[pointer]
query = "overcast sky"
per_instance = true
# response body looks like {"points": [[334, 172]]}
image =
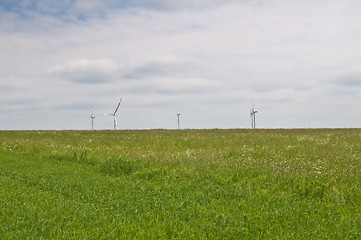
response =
{"points": [[299, 60]]}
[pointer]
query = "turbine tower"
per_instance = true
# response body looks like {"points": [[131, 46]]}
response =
{"points": [[115, 116], [178, 114], [92, 119], [253, 117]]}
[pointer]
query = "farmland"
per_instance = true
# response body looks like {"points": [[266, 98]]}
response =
{"points": [[181, 184]]}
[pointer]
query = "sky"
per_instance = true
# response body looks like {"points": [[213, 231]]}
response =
{"points": [[297, 61]]}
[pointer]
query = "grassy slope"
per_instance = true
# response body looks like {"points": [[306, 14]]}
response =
{"points": [[268, 184]]}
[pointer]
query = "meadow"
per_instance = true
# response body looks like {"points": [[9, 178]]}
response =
{"points": [[181, 184]]}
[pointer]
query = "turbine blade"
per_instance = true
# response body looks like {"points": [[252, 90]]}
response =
{"points": [[117, 106]]}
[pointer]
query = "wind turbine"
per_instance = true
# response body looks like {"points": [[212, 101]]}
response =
{"points": [[115, 115], [253, 117], [92, 119], [178, 114]]}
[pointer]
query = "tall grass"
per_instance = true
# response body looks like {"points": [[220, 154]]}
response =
{"points": [[188, 184]]}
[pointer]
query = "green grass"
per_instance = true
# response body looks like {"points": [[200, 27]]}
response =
{"points": [[187, 184]]}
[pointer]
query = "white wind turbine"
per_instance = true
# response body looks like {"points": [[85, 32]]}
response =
{"points": [[253, 117], [115, 116], [178, 114], [92, 119]]}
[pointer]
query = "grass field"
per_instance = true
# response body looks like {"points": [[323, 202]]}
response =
{"points": [[186, 184]]}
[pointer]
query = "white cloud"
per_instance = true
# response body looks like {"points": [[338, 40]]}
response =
{"points": [[349, 80], [174, 86], [85, 70]]}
